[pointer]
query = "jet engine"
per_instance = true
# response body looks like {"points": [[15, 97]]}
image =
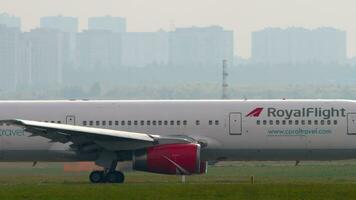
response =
{"points": [[179, 159]]}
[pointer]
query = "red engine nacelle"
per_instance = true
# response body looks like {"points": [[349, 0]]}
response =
{"points": [[170, 159]]}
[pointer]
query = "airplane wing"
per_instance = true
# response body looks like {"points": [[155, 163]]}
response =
{"points": [[90, 139]]}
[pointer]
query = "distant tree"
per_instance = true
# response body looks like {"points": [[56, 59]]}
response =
{"points": [[95, 90], [72, 92]]}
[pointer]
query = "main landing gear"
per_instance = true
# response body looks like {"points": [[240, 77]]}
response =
{"points": [[109, 177], [107, 160]]}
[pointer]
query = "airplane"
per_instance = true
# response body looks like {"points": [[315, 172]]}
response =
{"points": [[175, 137]]}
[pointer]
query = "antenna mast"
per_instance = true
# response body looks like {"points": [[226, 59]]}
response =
{"points": [[224, 80]]}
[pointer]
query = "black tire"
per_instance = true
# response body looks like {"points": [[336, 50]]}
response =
{"points": [[97, 177], [115, 177]]}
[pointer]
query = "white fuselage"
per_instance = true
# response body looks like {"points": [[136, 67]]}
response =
{"points": [[232, 129]]}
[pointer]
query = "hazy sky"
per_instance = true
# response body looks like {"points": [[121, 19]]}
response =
{"points": [[242, 16]]}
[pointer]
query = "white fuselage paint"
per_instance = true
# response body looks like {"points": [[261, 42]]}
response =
{"points": [[287, 129]]}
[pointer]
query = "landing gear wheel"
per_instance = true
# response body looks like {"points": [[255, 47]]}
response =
{"points": [[115, 177], [96, 177]]}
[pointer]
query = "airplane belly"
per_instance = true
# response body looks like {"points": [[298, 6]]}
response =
{"points": [[17, 139], [40, 155]]}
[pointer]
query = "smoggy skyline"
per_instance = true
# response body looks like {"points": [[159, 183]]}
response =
{"points": [[241, 16]]}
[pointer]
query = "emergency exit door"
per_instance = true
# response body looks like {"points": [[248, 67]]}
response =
{"points": [[70, 119], [351, 123], [235, 124]]}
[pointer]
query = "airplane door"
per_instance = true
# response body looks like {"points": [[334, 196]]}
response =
{"points": [[351, 123], [235, 124], [70, 119]]}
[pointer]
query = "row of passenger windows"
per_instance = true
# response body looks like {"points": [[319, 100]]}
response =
{"points": [[146, 123], [58, 122], [296, 122], [140, 122]]}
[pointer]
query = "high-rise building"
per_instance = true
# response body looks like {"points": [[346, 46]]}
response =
{"points": [[352, 60], [9, 41], [99, 49], [67, 25], [23, 73], [298, 45], [62, 23], [140, 49], [201, 47], [109, 23], [46, 57], [10, 21], [330, 45]]}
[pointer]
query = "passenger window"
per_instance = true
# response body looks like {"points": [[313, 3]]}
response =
{"points": [[122, 123], [142, 123], [148, 122], [322, 122], [90, 123], [258, 122], [315, 122], [135, 122], [296, 122], [159, 123], [104, 123], [97, 123], [277, 122], [52, 122], [185, 122], [210, 122], [172, 123], [166, 123], [270, 122], [335, 122], [154, 123], [59, 122], [178, 123], [329, 122], [110, 123], [290, 122], [264, 122], [303, 122], [116, 123], [216, 122], [129, 123], [197, 122], [309, 122], [84, 123], [284, 122]]}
